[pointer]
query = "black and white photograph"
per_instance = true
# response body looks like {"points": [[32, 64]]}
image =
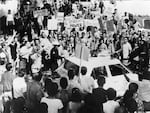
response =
{"points": [[74, 56]]}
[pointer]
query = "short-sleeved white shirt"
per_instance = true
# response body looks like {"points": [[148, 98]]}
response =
{"points": [[19, 87], [53, 104], [126, 50], [10, 17], [109, 106], [87, 83]]}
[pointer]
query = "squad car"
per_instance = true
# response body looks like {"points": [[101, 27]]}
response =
{"points": [[111, 68]]}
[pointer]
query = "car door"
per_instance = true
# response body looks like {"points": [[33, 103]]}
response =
{"points": [[116, 78]]}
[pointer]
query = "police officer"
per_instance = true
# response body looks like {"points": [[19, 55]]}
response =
{"points": [[54, 55]]}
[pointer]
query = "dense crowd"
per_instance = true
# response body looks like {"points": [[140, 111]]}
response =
{"points": [[30, 53]]}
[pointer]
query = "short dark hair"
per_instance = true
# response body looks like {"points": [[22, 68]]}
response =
{"points": [[76, 95], [83, 70], [2, 62], [101, 81], [8, 66], [47, 83], [133, 87], [53, 89], [71, 74], [63, 83], [21, 73], [111, 93]]}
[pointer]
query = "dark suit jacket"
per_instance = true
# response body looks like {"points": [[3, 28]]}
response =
{"points": [[100, 97]]}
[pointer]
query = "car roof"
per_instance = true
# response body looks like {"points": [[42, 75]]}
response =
{"points": [[94, 61]]}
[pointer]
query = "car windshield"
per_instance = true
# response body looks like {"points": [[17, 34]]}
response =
{"points": [[69, 65], [118, 69]]}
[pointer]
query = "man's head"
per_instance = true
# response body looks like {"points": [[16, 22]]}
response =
{"points": [[53, 89], [8, 66], [125, 39], [133, 87], [47, 83], [63, 83], [71, 74], [9, 11], [101, 81], [83, 70], [111, 94], [21, 73], [2, 58]]}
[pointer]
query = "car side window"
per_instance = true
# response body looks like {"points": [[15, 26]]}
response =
{"points": [[117, 69], [99, 71], [69, 65]]}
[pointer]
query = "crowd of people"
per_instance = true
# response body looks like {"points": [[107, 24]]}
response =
{"points": [[28, 49], [67, 96]]}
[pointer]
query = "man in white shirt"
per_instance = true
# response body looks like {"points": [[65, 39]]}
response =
{"points": [[136, 25], [73, 81], [26, 50], [126, 49], [86, 82], [111, 104], [19, 85], [24, 53], [37, 62], [45, 42]]}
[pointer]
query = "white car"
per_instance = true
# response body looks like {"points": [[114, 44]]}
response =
{"points": [[112, 69]]}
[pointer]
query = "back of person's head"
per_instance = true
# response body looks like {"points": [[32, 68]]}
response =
{"points": [[133, 87], [83, 70], [76, 95], [111, 93], [101, 81], [8, 66], [43, 108], [63, 83], [53, 89], [71, 74], [47, 83], [21, 73]]}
